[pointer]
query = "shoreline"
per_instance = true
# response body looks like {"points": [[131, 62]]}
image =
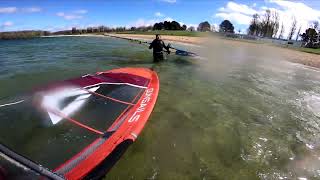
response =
{"points": [[179, 39], [73, 35], [291, 55]]}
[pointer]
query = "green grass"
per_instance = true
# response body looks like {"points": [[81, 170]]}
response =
{"points": [[171, 33], [310, 50]]}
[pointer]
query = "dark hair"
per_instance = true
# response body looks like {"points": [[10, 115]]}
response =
{"points": [[157, 35]]}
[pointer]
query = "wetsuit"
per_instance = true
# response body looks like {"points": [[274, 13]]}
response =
{"points": [[158, 46]]}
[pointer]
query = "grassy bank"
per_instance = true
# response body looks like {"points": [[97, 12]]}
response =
{"points": [[302, 49], [170, 33], [310, 50]]}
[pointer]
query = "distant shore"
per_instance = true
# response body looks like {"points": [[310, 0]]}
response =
{"points": [[170, 38], [186, 40], [289, 54], [74, 35]]}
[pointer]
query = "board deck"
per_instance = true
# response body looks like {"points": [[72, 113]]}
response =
{"points": [[71, 127]]}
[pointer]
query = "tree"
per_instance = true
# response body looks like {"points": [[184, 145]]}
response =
{"points": [[267, 26], [309, 37], [175, 25], [167, 25], [191, 28], [204, 26], [298, 34], [158, 26], [315, 25], [89, 30], [254, 25], [275, 24], [226, 26], [281, 32], [74, 30], [213, 28], [101, 28], [293, 28], [184, 27]]}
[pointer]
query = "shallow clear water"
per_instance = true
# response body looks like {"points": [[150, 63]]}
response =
{"points": [[244, 113]]}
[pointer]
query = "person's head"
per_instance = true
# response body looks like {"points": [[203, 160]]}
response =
{"points": [[158, 37]]}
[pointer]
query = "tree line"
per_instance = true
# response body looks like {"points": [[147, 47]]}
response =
{"points": [[265, 25], [22, 34], [268, 25]]}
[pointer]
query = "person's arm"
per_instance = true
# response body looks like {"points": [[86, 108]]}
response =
{"points": [[151, 45], [166, 47]]}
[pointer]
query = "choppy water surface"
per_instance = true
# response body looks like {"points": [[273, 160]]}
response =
{"points": [[242, 114]]}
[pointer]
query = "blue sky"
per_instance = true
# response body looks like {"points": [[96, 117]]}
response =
{"points": [[57, 15]]}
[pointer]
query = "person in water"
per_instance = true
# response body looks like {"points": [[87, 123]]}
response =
{"points": [[158, 45]]}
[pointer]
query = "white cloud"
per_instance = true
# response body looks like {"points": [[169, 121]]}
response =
{"points": [[31, 9], [238, 8], [241, 14], [81, 11], [168, 19], [158, 14], [5, 24], [238, 13], [142, 22], [147, 22], [193, 25], [215, 27], [235, 17], [61, 14], [303, 14], [24, 10], [69, 16], [8, 9], [169, 1]]}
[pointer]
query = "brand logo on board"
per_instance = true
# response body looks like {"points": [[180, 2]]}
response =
{"points": [[146, 99]]}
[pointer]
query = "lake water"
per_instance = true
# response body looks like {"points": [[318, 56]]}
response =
{"points": [[242, 113]]}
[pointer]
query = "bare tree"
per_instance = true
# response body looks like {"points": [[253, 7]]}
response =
{"points": [[213, 28], [191, 28], [275, 24], [298, 34], [254, 25], [268, 26], [281, 31], [266, 23], [293, 28]]}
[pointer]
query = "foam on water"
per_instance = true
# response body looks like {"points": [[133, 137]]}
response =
{"points": [[312, 101]]}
